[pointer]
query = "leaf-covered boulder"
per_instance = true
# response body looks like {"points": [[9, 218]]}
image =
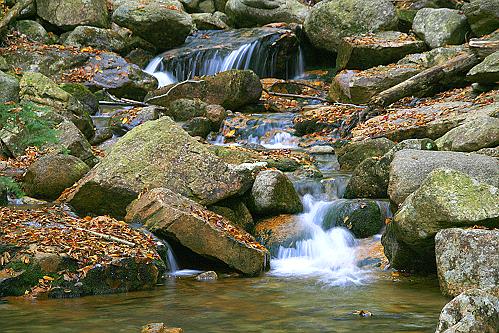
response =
{"points": [[353, 153], [472, 311], [482, 15], [251, 13], [161, 23], [440, 26], [186, 223], [50, 175], [330, 21], [155, 154], [68, 14], [282, 230], [410, 168], [467, 259]]}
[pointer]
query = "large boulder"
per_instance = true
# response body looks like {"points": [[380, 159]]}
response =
{"points": [[33, 30], [468, 259], [440, 26], [251, 13], [273, 193], [155, 154], [210, 21], [144, 18], [482, 15], [473, 311], [473, 135], [410, 167], [69, 14], [487, 71], [280, 231], [185, 222], [353, 153], [50, 175], [446, 198], [231, 89], [9, 88], [330, 21]]}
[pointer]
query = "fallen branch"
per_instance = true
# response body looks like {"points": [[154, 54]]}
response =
{"points": [[13, 13], [121, 101], [313, 98], [483, 48], [106, 237]]}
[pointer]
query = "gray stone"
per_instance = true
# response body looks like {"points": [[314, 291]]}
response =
{"points": [[67, 14], [9, 88], [353, 153], [207, 276], [466, 259], [482, 15], [33, 30], [487, 71], [440, 26], [208, 21], [72, 140]]}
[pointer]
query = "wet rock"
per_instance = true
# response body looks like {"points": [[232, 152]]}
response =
{"points": [[9, 88], [370, 178], [482, 132], [251, 13], [160, 328], [441, 26], [185, 109], [33, 30], [83, 95], [72, 140], [50, 175], [282, 230], [145, 18], [39, 89], [273, 193], [209, 21], [207, 276], [482, 15], [446, 198], [69, 14], [486, 72], [410, 168], [353, 153], [468, 258], [231, 89], [380, 48], [182, 221], [156, 154], [473, 311], [362, 217], [330, 21]]}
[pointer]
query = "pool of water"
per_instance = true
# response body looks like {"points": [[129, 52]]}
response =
{"points": [[265, 304]]}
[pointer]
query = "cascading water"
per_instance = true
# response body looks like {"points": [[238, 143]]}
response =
{"points": [[268, 52]]}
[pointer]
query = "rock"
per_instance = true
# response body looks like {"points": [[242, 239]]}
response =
{"points": [[468, 258], [70, 14], [486, 72], [4, 200], [282, 230], [208, 21], [251, 13], [33, 30], [155, 154], [83, 95], [9, 88], [72, 140], [353, 153], [273, 193], [330, 21], [492, 152], [382, 48], [39, 89], [446, 198], [127, 119], [410, 167], [370, 178], [482, 15], [236, 212], [50, 175], [182, 221], [482, 132], [440, 26], [145, 18], [160, 328], [231, 89], [185, 109], [199, 126], [362, 217], [207, 276], [473, 311]]}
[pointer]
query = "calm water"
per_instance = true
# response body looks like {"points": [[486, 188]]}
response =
{"points": [[266, 304]]}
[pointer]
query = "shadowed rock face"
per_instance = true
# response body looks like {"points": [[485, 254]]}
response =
{"points": [[156, 154], [207, 234]]}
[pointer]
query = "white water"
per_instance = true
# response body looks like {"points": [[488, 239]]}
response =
{"points": [[174, 267], [328, 255], [154, 68]]}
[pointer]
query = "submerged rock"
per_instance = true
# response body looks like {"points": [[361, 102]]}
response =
{"points": [[330, 21], [473, 311], [410, 168], [69, 14], [160, 328], [156, 154], [182, 221], [440, 26], [50, 175], [353, 153], [468, 259]]}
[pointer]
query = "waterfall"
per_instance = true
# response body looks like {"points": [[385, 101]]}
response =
{"points": [[211, 52], [172, 261], [328, 254]]}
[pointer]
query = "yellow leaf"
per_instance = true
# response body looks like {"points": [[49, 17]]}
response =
{"points": [[125, 120], [48, 278]]}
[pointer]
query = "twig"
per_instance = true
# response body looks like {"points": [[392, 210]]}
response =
{"points": [[107, 237], [121, 101], [314, 97]]}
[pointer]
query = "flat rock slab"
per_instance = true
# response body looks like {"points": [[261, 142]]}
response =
{"points": [[183, 221]]}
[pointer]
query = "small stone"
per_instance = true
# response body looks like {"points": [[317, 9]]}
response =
{"points": [[207, 276]]}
